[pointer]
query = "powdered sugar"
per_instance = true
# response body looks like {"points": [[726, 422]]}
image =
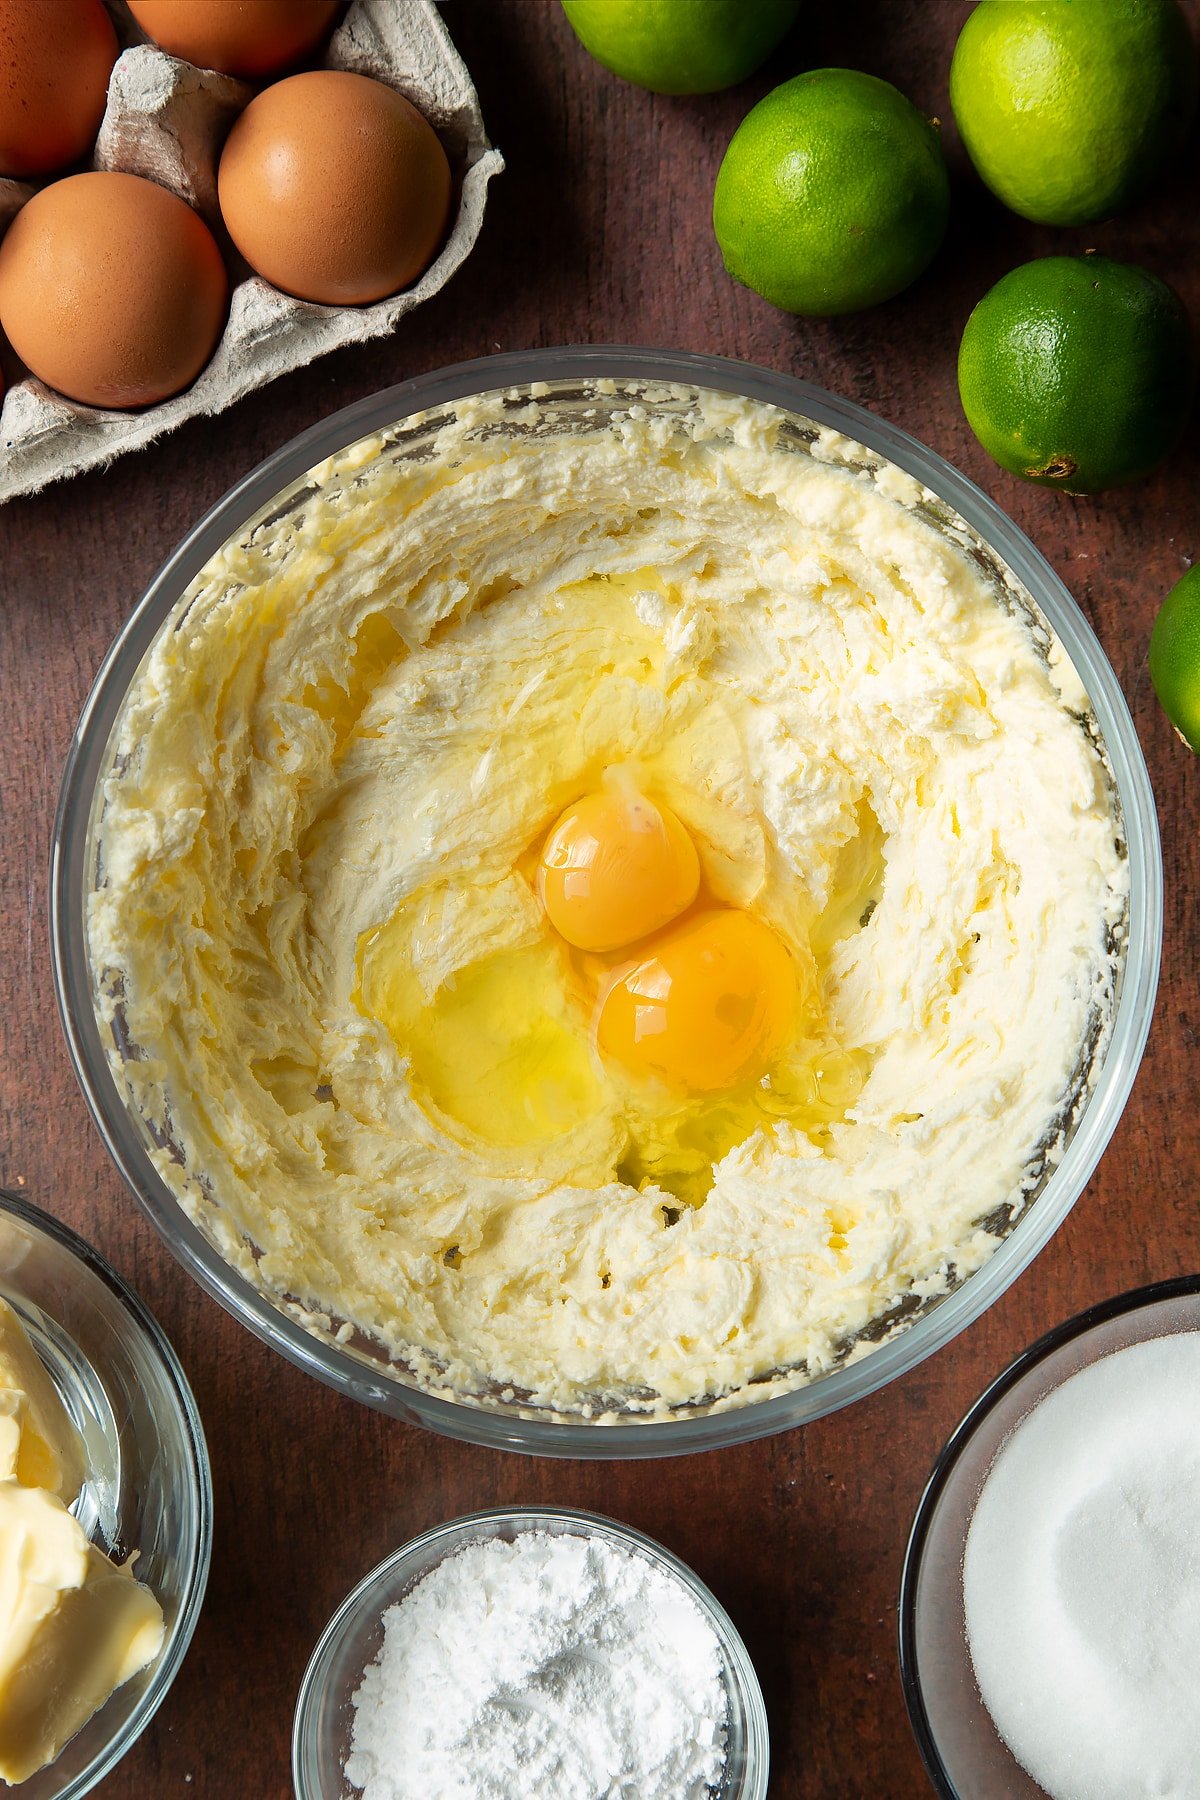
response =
{"points": [[554, 1665]]}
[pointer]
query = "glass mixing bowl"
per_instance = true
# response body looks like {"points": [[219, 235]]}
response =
{"points": [[352, 1639], [965, 1755], [148, 1488], [540, 388]]}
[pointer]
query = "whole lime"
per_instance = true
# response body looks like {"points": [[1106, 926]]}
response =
{"points": [[1175, 657], [1076, 372], [1070, 108], [832, 195], [681, 46]]}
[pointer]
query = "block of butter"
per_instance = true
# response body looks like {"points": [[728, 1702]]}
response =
{"points": [[39, 1444], [73, 1627], [14, 1433]]}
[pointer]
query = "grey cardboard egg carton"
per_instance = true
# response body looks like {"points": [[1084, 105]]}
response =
{"points": [[167, 120]]}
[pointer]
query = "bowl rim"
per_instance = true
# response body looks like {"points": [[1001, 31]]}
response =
{"points": [[181, 1631], [1102, 1312], [339, 1367], [748, 1691]]}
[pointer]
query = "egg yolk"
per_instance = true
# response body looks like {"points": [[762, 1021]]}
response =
{"points": [[615, 868], [707, 1006]]}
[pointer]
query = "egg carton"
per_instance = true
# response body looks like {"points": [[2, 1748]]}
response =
{"points": [[167, 120]]}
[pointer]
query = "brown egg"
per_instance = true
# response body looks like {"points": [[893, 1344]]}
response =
{"points": [[334, 188], [55, 60], [251, 38], [111, 290]]}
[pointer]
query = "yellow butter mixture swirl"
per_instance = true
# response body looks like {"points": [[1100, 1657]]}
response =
{"points": [[606, 915]]}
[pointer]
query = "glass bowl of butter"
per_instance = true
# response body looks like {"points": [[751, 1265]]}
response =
{"points": [[495, 1160], [105, 1510]]}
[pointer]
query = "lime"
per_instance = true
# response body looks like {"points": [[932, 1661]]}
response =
{"points": [[1175, 657], [832, 195], [1076, 372], [1069, 108], [681, 46]]}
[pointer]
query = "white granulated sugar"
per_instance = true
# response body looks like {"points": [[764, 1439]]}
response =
{"points": [[1081, 1580], [552, 1666]]}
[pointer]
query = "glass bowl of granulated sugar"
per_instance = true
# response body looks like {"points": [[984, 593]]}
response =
{"points": [[1050, 1604], [527, 1653]]}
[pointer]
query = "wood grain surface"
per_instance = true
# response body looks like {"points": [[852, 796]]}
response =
{"points": [[600, 232]]}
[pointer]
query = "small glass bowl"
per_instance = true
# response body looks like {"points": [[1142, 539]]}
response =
{"points": [[148, 1488], [961, 1748], [352, 1639]]}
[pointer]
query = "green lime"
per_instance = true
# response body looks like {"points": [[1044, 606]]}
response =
{"points": [[681, 46], [1175, 657], [1069, 108], [1076, 372], [832, 195]]}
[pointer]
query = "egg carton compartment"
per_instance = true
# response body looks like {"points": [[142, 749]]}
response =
{"points": [[167, 120]]}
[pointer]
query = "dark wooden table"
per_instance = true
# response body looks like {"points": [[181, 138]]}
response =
{"points": [[600, 231]]}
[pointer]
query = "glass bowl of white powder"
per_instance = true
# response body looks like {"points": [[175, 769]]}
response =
{"points": [[515, 1654], [1050, 1602]]}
